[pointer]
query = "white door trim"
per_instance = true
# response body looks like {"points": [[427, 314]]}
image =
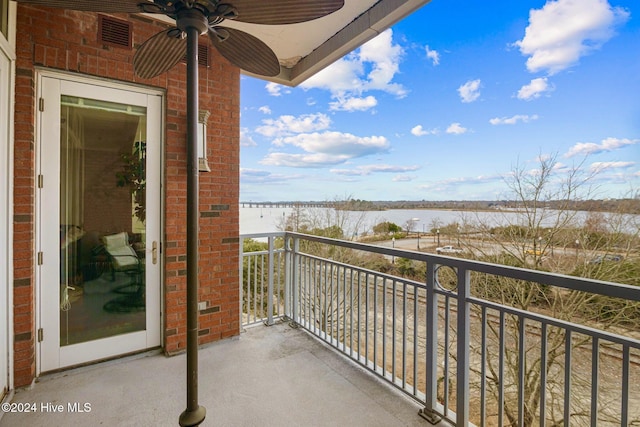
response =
{"points": [[7, 91], [75, 85]]}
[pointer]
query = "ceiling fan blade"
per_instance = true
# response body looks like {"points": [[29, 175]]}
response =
{"points": [[110, 6], [278, 12], [160, 53], [246, 51]]}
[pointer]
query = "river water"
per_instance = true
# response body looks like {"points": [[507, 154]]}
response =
{"points": [[267, 220]]}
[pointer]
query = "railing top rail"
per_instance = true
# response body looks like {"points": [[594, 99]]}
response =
{"points": [[564, 324], [262, 235], [256, 253], [599, 287], [377, 274]]}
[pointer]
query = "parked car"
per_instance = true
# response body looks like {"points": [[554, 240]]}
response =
{"points": [[536, 252], [606, 258], [448, 250]]}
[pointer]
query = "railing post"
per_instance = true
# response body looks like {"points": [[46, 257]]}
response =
{"points": [[463, 351], [241, 282], [270, 267], [287, 277], [295, 266], [431, 385]]}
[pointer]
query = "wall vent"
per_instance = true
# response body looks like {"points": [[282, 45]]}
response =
{"points": [[114, 32], [203, 55]]}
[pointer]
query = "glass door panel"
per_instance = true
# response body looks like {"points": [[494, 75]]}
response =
{"points": [[98, 210], [102, 219]]}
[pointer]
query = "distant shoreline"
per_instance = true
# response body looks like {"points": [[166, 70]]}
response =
{"points": [[624, 206]]}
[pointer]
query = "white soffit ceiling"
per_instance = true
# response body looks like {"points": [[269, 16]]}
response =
{"points": [[306, 48]]}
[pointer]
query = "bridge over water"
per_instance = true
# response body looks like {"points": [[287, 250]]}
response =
{"points": [[286, 204]]}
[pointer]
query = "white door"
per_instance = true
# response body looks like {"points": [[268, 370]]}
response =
{"points": [[98, 228], [5, 225]]}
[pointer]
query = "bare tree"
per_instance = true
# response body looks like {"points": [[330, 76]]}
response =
{"points": [[435, 225], [538, 228], [296, 221], [325, 299], [543, 238]]}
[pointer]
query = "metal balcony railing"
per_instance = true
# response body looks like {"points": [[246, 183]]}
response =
{"points": [[468, 359]]}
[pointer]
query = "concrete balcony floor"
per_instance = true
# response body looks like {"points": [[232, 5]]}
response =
{"points": [[270, 376]]}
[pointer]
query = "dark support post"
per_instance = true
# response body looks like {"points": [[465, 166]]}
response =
{"points": [[194, 414], [431, 386], [463, 347]]}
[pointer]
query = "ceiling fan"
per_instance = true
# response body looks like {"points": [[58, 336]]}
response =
{"points": [[162, 52]]}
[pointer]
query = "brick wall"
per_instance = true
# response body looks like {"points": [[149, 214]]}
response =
{"points": [[67, 40], [100, 192]]}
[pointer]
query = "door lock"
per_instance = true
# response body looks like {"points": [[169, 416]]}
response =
{"points": [[154, 252]]}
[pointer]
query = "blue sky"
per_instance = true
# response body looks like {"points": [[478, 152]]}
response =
{"points": [[444, 104]]}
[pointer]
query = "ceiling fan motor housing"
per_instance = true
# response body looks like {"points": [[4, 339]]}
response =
{"points": [[193, 18]]}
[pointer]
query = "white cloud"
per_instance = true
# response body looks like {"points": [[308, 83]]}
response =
{"points": [[600, 166], [340, 77], [274, 89], [337, 143], [470, 91], [265, 109], [433, 55], [353, 104], [287, 125], [403, 178], [327, 148], [253, 172], [561, 167], [563, 31], [245, 138], [372, 67], [513, 119], [534, 89], [369, 169], [608, 144], [257, 176], [456, 129], [445, 184], [307, 160], [385, 57], [420, 131]]}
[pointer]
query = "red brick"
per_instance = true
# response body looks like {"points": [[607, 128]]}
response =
{"points": [[67, 41]]}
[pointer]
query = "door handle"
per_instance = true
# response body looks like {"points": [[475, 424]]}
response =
{"points": [[154, 252]]}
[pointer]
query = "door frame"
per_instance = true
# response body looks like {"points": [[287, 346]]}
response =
{"points": [[153, 333], [7, 96]]}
